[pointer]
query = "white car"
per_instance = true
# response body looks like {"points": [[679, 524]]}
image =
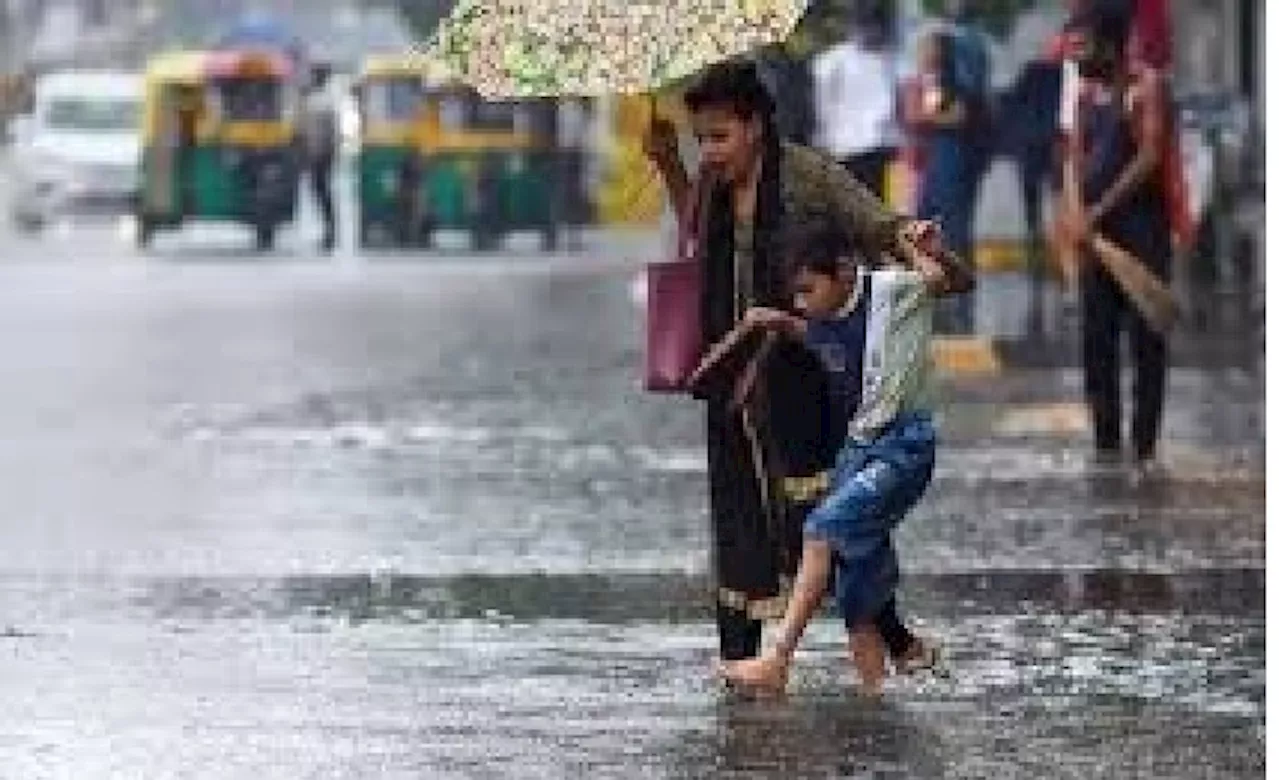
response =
{"points": [[78, 151]]}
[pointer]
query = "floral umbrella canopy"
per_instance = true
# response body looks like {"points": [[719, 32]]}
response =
{"points": [[543, 48]]}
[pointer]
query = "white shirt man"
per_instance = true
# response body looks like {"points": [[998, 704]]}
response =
{"points": [[855, 89]]}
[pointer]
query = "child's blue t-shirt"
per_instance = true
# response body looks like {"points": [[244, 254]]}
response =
{"points": [[839, 342]]}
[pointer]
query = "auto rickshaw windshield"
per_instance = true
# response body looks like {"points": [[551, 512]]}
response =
{"points": [[393, 100], [93, 114], [250, 99]]}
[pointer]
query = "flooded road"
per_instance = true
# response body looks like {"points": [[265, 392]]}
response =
{"points": [[380, 517]]}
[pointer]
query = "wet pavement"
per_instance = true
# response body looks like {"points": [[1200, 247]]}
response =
{"points": [[411, 517]]}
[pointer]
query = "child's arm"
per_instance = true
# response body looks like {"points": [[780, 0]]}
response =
{"points": [[920, 243], [775, 321], [767, 321]]}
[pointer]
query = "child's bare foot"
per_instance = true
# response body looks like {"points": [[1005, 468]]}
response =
{"points": [[767, 674], [869, 655]]}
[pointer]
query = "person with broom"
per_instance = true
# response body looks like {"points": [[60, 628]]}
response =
{"points": [[1113, 190]]}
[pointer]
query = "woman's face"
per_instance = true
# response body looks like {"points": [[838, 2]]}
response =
{"points": [[1097, 59], [729, 143]]}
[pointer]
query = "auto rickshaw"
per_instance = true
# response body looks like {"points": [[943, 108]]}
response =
{"points": [[220, 142], [435, 156], [391, 96]]}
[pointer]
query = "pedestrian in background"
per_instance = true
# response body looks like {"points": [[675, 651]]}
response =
{"points": [[855, 86], [1113, 187], [1029, 110], [938, 115], [320, 141]]}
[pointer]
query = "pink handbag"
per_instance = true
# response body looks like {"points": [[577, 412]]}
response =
{"points": [[673, 327]]}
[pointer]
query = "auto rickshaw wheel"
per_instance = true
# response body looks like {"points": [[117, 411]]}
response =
{"points": [[550, 238], [264, 237], [366, 233], [484, 239]]}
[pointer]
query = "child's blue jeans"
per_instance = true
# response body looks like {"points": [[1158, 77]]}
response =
{"points": [[874, 485]]}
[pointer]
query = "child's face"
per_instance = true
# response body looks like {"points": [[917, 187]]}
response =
{"points": [[821, 295]]}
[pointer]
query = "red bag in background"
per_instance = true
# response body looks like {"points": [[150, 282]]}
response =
{"points": [[673, 324]]}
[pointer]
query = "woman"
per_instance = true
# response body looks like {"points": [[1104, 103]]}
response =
{"points": [[941, 121], [1114, 177], [753, 189]]}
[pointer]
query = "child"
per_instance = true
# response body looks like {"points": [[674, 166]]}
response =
{"points": [[871, 330]]}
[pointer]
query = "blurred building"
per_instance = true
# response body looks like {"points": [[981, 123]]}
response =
{"points": [[1219, 45], [46, 34]]}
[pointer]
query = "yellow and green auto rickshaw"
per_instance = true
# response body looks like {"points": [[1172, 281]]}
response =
{"points": [[219, 142], [391, 96], [436, 156]]}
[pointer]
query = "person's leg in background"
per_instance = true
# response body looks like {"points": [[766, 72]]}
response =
{"points": [[1103, 308], [1149, 352], [975, 165], [872, 169], [1150, 376], [1033, 166], [321, 175], [933, 205]]}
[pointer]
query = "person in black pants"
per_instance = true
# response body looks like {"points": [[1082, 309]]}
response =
{"points": [[1120, 198]]}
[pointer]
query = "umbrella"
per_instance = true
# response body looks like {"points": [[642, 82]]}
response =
{"points": [[545, 48], [261, 31]]}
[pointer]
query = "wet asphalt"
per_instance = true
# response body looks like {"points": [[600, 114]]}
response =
{"points": [[409, 516]]}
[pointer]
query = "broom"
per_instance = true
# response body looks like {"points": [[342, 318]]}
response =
{"points": [[1146, 291]]}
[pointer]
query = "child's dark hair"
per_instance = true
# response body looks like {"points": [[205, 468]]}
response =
{"points": [[819, 249], [734, 84]]}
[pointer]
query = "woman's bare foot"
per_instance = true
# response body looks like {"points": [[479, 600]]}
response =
{"points": [[869, 655], [767, 674]]}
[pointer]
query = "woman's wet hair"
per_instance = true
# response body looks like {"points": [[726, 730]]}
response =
{"points": [[819, 249], [734, 84]]}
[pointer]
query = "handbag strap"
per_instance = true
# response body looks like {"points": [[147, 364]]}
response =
{"points": [[689, 228]]}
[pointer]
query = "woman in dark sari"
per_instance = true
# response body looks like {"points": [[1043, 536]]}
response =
{"points": [[752, 190]]}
